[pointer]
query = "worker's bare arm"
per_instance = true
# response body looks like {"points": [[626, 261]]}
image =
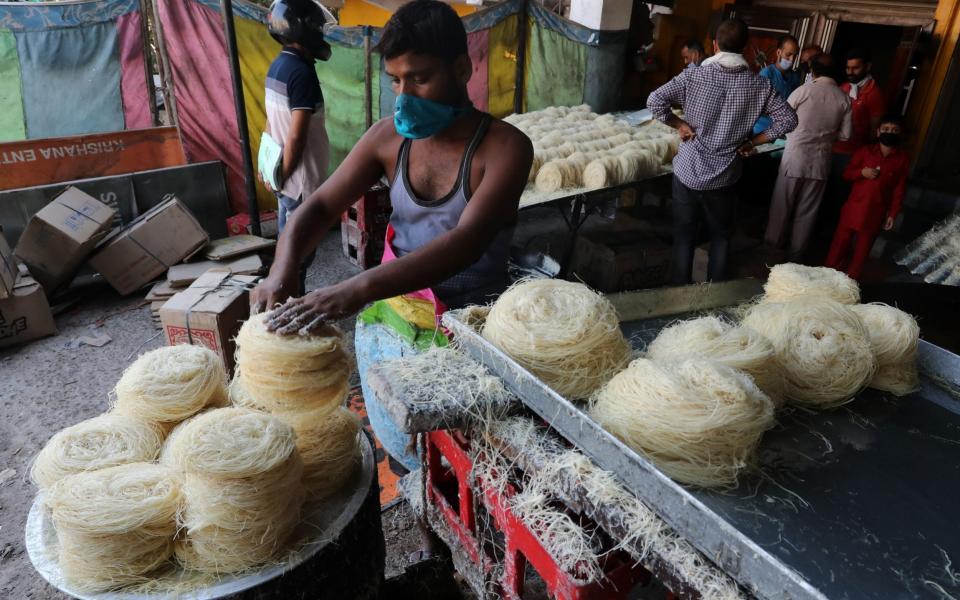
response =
{"points": [[296, 140], [492, 207], [321, 210]]}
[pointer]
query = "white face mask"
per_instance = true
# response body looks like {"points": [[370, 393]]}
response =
{"points": [[785, 64]]}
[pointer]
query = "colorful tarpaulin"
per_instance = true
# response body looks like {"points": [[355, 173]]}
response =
{"points": [[566, 64], [71, 68]]}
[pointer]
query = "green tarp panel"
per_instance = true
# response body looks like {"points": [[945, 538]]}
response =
{"points": [[12, 123], [555, 69], [71, 80], [341, 79]]}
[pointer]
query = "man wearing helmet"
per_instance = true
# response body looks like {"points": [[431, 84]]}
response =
{"points": [[294, 103]]}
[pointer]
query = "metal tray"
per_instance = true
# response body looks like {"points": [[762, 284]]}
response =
{"points": [[851, 503]]}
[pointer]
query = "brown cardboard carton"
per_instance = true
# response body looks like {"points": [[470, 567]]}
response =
{"points": [[8, 268], [209, 313], [131, 257], [25, 315], [182, 275], [238, 245], [62, 235]]}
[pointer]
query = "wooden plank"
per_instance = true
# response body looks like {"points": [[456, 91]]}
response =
{"points": [[40, 162]]}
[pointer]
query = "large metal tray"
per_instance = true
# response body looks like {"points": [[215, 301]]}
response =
{"points": [[851, 503]]}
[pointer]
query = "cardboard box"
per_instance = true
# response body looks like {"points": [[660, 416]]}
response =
{"points": [[134, 256], [182, 275], [8, 268], [209, 313], [25, 315], [620, 261], [62, 235], [232, 247]]}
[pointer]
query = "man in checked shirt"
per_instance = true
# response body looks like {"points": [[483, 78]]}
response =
{"points": [[721, 101]]}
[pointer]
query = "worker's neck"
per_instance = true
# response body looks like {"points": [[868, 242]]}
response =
{"points": [[462, 127], [887, 150]]}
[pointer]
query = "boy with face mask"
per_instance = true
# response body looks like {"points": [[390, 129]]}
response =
{"points": [[456, 175], [781, 74], [878, 173]]}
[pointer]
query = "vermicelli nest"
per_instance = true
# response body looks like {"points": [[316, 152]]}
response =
{"points": [[564, 333], [105, 441], [292, 372], [171, 384], [791, 281], [894, 336], [242, 488], [328, 445], [116, 526], [697, 420], [738, 347], [822, 349]]}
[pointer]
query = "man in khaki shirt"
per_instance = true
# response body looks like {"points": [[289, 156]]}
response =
{"points": [[824, 115]]}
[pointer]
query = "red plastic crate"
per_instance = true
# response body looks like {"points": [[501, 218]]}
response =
{"points": [[363, 227], [452, 489]]}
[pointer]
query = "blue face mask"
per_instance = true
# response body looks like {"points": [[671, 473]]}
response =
{"points": [[418, 118], [785, 64]]}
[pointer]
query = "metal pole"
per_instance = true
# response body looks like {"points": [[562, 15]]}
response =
{"points": [[521, 57], [367, 79], [226, 7]]}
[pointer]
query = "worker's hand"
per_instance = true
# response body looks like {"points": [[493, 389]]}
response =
{"points": [[869, 173], [888, 224], [306, 315], [272, 291], [746, 149], [264, 182], [686, 132]]}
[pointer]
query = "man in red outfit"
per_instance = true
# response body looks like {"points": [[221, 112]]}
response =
{"points": [[879, 176]]}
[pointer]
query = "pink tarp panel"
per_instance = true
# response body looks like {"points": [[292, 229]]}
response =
{"points": [[477, 43], [133, 83], [208, 125]]}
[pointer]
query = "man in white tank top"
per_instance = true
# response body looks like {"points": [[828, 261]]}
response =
{"points": [[425, 53]]}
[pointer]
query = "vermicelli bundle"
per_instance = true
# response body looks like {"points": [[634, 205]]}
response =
{"points": [[105, 441], [114, 526], [697, 420], [822, 349], [738, 347], [564, 333], [329, 447], [791, 281], [894, 336], [170, 384], [293, 372], [242, 488]]}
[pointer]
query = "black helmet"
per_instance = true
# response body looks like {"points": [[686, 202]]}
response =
{"points": [[301, 22]]}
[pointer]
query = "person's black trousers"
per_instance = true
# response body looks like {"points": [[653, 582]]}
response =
{"points": [[717, 209]]}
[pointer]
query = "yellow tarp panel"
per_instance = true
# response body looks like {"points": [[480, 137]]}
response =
{"points": [[257, 50], [502, 66], [360, 12]]}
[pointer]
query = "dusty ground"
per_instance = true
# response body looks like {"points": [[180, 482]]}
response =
{"points": [[47, 385]]}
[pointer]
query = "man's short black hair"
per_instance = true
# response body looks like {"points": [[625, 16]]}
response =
{"points": [[783, 39], [732, 36], [892, 119], [424, 27], [821, 64], [860, 54], [695, 46]]}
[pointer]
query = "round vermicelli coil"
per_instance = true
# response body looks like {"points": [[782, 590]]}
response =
{"points": [[602, 172], [821, 348], [242, 489], [790, 281], [116, 526], [170, 384], [561, 174], [697, 420], [105, 441], [735, 346], [292, 372], [895, 338], [564, 333], [328, 443]]}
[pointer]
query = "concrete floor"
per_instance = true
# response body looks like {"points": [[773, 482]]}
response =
{"points": [[47, 385]]}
